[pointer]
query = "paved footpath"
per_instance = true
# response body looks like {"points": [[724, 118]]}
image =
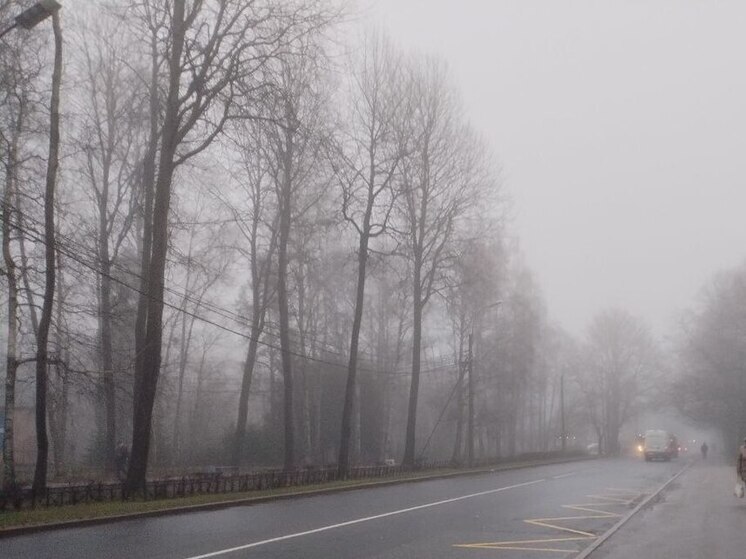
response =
{"points": [[696, 517]]}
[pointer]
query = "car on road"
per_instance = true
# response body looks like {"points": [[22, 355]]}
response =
{"points": [[657, 445]]}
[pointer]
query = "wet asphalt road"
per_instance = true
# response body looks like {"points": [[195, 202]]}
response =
{"points": [[548, 511]]}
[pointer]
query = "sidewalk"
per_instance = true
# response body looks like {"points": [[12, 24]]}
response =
{"points": [[696, 517]]}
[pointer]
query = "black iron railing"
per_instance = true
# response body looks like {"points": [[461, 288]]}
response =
{"points": [[222, 481]]}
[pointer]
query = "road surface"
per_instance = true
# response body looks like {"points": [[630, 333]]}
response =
{"points": [[697, 517], [548, 511]]}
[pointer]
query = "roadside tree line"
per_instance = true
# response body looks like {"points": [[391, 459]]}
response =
{"points": [[270, 246]]}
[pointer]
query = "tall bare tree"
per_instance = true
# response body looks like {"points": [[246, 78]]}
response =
{"points": [[207, 52], [711, 357], [297, 148], [110, 141], [20, 103], [371, 145], [204, 266], [11, 163], [444, 177], [212, 46], [257, 224], [619, 360]]}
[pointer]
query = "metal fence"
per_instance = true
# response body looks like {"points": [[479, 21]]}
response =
{"points": [[218, 482]]}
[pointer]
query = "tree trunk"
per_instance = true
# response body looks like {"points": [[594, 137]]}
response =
{"points": [[104, 318], [319, 454], [458, 443], [287, 366], [383, 359], [186, 340], [27, 290], [305, 415], [11, 356], [349, 402], [42, 337], [58, 409], [409, 445], [148, 187], [148, 374], [260, 302], [285, 202], [196, 418], [243, 400]]}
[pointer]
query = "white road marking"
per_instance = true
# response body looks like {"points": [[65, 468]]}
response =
{"points": [[564, 475], [360, 520]]}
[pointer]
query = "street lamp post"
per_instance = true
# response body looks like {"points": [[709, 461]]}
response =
{"points": [[29, 19], [33, 16]]}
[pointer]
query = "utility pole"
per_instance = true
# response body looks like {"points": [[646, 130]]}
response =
{"points": [[562, 411], [470, 429], [470, 364]]}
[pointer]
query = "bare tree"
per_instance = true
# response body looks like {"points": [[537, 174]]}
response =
{"points": [[473, 284], [443, 178], [212, 45], [390, 323], [296, 144], [11, 357], [366, 161], [710, 387], [618, 361], [20, 103], [109, 140], [257, 225], [204, 267]]}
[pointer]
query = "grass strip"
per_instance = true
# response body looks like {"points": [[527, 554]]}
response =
{"points": [[111, 509], [84, 511]]}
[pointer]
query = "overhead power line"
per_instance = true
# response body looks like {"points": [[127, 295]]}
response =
{"points": [[74, 255]]}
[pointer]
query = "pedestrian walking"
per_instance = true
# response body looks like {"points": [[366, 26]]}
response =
{"points": [[741, 471]]}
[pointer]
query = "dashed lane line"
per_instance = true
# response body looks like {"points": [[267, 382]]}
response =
{"points": [[562, 476]]}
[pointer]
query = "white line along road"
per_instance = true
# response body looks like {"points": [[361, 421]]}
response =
{"points": [[360, 520]]}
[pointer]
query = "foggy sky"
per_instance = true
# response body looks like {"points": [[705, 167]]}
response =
{"points": [[621, 131]]}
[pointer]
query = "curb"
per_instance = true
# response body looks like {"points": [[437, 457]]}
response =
{"points": [[616, 527], [248, 501]]}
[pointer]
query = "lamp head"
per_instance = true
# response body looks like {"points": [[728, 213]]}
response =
{"points": [[37, 13]]}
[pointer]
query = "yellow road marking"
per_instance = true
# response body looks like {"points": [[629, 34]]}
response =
{"points": [[521, 548], [595, 508], [516, 542], [543, 522], [613, 499]]}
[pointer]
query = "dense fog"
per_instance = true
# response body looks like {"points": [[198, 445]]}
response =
{"points": [[285, 234]]}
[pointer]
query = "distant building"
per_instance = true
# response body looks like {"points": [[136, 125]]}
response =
{"points": [[24, 436]]}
